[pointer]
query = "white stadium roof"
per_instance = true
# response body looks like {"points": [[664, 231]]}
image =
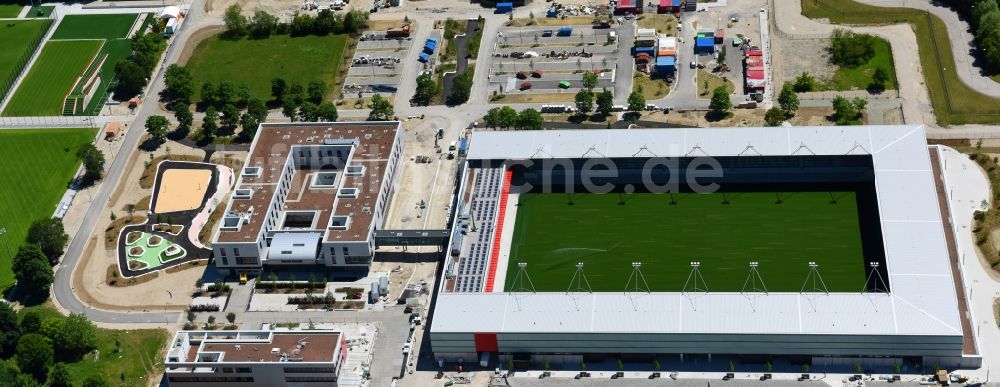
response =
{"points": [[922, 301]]}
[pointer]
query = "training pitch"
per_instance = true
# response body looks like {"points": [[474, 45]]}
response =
{"points": [[42, 91], [607, 232], [37, 167], [96, 26]]}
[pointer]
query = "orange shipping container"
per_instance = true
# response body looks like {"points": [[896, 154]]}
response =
{"points": [[666, 53]]}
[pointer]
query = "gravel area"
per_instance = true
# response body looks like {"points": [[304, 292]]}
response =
{"points": [[804, 55]]}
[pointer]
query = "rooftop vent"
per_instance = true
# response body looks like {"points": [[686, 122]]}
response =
{"points": [[251, 171], [243, 193], [348, 193], [355, 170], [339, 222]]}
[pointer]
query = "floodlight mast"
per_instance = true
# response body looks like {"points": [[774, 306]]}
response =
{"points": [[520, 278], [874, 265], [637, 276], [699, 281], [579, 280], [752, 280], [818, 285]]}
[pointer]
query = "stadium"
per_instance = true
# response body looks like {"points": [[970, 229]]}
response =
{"points": [[811, 244]]}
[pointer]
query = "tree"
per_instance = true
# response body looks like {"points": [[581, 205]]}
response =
{"points": [[131, 79], [179, 85], [859, 106], [34, 355], [584, 101], [93, 164], [381, 109], [720, 103], [605, 103], [850, 49], [209, 124], [732, 367], [289, 107], [257, 109], [243, 95], [77, 336], [211, 320], [184, 119], [297, 92], [506, 117], [262, 24], [249, 124], [788, 100], [426, 90], [227, 94], [461, 88], [308, 111], [879, 79], [231, 317], [355, 21], [59, 376], [31, 322], [589, 80], [636, 102], [209, 94], [230, 117], [843, 110], [774, 116], [491, 118], [33, 272], [9, 333], [530, 119], [327, 112], [51, 327], [302, 24], [620, 365], [48, 234], [236, 23], [157, 127], [278, 89], [317, 91], [804, 83], [95, 381]]}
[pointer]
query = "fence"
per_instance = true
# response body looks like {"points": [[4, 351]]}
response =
{"points": [[5, 86], [48, 122]]}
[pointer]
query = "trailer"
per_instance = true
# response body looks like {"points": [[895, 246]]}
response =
{"points": [[505, 8]]}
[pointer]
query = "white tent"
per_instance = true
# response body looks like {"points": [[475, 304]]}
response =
{"points": [[170, 12]]}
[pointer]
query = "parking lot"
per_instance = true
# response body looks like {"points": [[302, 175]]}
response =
{"points": [[377, 64], [553, 59]]}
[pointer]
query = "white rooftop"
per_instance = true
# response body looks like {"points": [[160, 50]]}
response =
{"points": [[922, 302]]}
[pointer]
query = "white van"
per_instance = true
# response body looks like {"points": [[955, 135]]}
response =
{"points": [[453, 145]]}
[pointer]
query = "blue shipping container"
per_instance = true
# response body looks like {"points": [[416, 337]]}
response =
{"points": [[424, 57], [429, 50], [648, 50], [552, 13], [505, 7], [431, 40], [463, 144], [665, 61]]}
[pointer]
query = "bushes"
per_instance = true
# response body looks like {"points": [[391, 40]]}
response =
{"points": [[262, 24], [850, 49], [461, 87], [204, 308]]}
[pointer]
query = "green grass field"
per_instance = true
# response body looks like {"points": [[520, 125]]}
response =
{"points": [[37, 166], [257, 61], [10, 10], [55, 70], [139, 358], [551, 236], [859, 78], [953, 101], [106, 26], [17, 39]]}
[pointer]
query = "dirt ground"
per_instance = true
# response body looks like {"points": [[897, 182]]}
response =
{"points": [[168, 290], [182, 189], [804, 55]]}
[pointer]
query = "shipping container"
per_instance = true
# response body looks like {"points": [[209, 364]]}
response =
{"points": [[565, 31], [505, 7], [665, 6]]}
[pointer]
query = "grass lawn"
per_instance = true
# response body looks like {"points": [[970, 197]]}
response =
{"points": [[708, 82], [102, 26], [663, 23], [858, 78], [37, 166], [650, 88], [117, 50], [43, 90], [954, 103], [452, 27], [138, 358], [40, 11], [551, 236], [257, 61], [10, 10], [18, 40]]}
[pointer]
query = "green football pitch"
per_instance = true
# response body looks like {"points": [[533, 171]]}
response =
{"points": [[37, 167], [98, 26], [607, 232], [43, 90], [18, 39]]}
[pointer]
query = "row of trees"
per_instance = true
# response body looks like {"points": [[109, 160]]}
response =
{"points": [[461, 87], [984, 18], [262, 24], [32, 264], [303, 103], [506, 117], [788, 104], [135, 72], [34, 350]]}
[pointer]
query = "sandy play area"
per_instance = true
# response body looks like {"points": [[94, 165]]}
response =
{"points": [[182, 190]]}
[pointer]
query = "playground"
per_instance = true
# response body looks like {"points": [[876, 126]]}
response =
{"points": [[150, 251], [182, 190]]}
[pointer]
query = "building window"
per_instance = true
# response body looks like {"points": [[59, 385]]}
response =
{"points": [[345, 251], [315, 379], [310, 370], [246, 260], [236, 252], [211, 379], [357, 260]]}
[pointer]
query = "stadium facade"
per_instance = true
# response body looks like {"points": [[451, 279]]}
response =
{"points": [[913, 306]]}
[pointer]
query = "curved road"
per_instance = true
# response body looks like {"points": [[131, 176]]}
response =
{"points": [[961, 42], [62, 289]]}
